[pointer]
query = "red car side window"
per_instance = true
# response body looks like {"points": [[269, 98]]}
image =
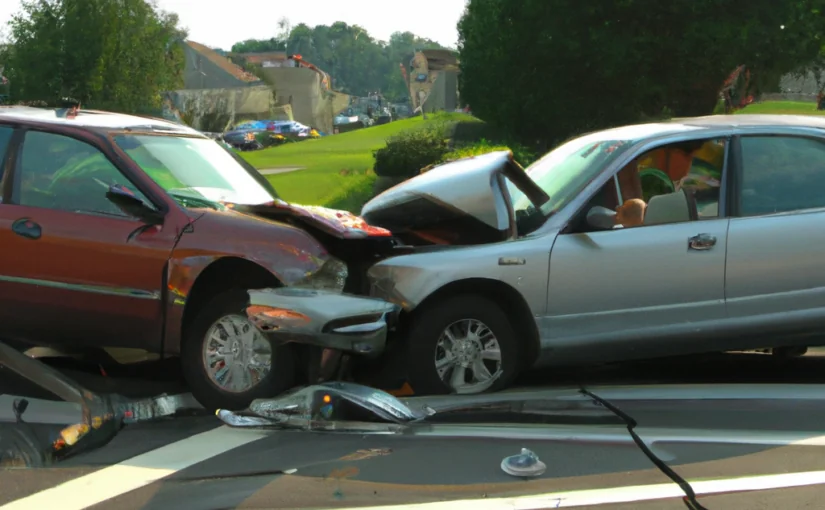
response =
{"points": [[59, 172]]}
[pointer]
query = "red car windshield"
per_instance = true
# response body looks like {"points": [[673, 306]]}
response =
{"points": [[195, 167]]}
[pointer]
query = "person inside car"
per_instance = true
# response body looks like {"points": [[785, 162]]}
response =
{"points": [[676, 161], [631, 213]]}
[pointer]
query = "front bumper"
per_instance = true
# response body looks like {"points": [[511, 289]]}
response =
{"points": [[346, 323]]}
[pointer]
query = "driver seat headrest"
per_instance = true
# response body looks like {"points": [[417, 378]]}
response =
{"points": [[675, 207]]}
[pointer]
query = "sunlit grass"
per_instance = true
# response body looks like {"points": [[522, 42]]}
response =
{"points": [[783, 108], [334, 166]]}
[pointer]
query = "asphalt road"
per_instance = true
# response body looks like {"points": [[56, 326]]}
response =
{"points": [[194, 462]]}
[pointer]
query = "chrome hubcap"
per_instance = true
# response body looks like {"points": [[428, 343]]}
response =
{"points": [[236, 355], [468, 356]]}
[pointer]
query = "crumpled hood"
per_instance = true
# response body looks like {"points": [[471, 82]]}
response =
{"points": [[460, 202], [339, 224]]}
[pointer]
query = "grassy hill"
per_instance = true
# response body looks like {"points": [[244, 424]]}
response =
{"points": [[333, 166]]}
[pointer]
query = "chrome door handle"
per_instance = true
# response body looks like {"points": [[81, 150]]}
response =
{"points": [[701, 242]]}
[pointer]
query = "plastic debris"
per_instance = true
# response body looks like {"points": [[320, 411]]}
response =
{"points": [[526, 464]]}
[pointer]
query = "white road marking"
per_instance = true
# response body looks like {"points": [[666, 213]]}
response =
{"points": [[137, 472], [614, 495]]}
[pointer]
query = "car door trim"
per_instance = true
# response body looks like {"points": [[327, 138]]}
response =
{"points": [[79, 287]]}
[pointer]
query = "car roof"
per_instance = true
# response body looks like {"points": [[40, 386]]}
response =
{"points": [[753, 120], [710, 122], [92, 119]]}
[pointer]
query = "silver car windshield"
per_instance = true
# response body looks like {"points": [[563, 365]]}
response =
{"points": [[194, 168], [565, 171]]}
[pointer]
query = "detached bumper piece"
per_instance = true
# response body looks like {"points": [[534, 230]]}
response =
{"points": [[102, 416], [346, 323], [331, 406]]}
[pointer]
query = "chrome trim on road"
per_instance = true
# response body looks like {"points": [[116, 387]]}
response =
{"points": [[79, 287]]}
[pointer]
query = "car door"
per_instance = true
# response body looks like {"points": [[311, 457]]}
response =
{"points": [[643, 291], [775, 278], [74, 269]]}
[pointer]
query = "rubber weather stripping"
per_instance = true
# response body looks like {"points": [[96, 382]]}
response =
{"points": [[690, 495]]}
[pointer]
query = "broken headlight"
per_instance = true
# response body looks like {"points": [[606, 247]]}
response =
{"points": [[332, 276]]}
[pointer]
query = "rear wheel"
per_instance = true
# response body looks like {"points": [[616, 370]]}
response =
{"points": [[227, 361], [463, 344]]}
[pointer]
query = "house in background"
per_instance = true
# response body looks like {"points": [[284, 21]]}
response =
{"points": [[218, 94], [206, 69], [301, 85], [433, 80]]}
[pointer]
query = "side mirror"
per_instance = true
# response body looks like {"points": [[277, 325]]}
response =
{"points": [[130, 204], [601, 218]]}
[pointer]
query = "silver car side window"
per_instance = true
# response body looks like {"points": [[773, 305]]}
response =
{"points": [[781, 174]]}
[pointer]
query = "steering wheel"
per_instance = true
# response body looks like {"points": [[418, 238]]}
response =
{"points": [[659, 175]]}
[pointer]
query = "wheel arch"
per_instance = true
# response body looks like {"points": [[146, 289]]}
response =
{"points": [[508, 298], [221, 275]]}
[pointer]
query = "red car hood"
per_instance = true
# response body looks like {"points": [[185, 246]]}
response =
{"points": [[340, 224]]}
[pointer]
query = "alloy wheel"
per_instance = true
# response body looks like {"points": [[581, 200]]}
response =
{"points": [[236, 355]]}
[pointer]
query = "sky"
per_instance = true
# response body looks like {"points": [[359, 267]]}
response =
{"points": [[221, 23]]}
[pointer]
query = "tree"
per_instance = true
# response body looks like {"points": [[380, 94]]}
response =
{"points": [[549, 69], [113, 54]]}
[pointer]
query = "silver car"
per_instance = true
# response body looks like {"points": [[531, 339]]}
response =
{"points": [[695, 235]]}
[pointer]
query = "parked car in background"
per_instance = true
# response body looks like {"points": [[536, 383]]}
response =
{"points": [[121, 231], [690, 236]]}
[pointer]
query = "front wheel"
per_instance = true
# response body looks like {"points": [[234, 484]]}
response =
{"points": [[227, 361], [464, 344]]}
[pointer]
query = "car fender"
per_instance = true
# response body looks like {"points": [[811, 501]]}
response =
{"points": [[523, 264], [287, 252]]}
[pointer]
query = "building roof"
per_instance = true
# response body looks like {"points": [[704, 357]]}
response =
{"points": [[441, 60], [259, 58], [223, 62]]}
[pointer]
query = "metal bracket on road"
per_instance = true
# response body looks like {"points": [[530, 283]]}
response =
{"points": [[102, 416]]}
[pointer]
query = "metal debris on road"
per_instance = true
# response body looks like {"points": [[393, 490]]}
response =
{"points": [[102, 416]]}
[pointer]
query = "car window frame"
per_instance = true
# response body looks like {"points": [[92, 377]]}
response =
{"points": [[739, 169], [7, 163], [725, 184], [14, 168]]}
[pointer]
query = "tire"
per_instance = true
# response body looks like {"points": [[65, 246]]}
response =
{"points": [[427, 327], [230, 306]]}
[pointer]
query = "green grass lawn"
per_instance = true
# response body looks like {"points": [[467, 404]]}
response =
{"points": [[783, 107], [337, 169]]}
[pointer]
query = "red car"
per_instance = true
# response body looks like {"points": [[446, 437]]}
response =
{"points": [[123, 231]]}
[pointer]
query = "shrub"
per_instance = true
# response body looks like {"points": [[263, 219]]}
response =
{"points": [[521, 154], [408, 152]]}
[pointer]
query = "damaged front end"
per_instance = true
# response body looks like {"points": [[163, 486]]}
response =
{"points": [[459, 203]]}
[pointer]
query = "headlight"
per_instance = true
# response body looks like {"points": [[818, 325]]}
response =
{"points": [[332, 276]]}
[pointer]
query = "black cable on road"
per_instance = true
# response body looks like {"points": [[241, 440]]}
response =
{"points": [[690, 496]]}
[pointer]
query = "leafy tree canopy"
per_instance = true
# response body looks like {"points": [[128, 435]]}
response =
{"points": [[548, 69], [112, 54], [357, 62]]}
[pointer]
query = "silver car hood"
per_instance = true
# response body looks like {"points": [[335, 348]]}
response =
{"points": [[460, 202]]}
